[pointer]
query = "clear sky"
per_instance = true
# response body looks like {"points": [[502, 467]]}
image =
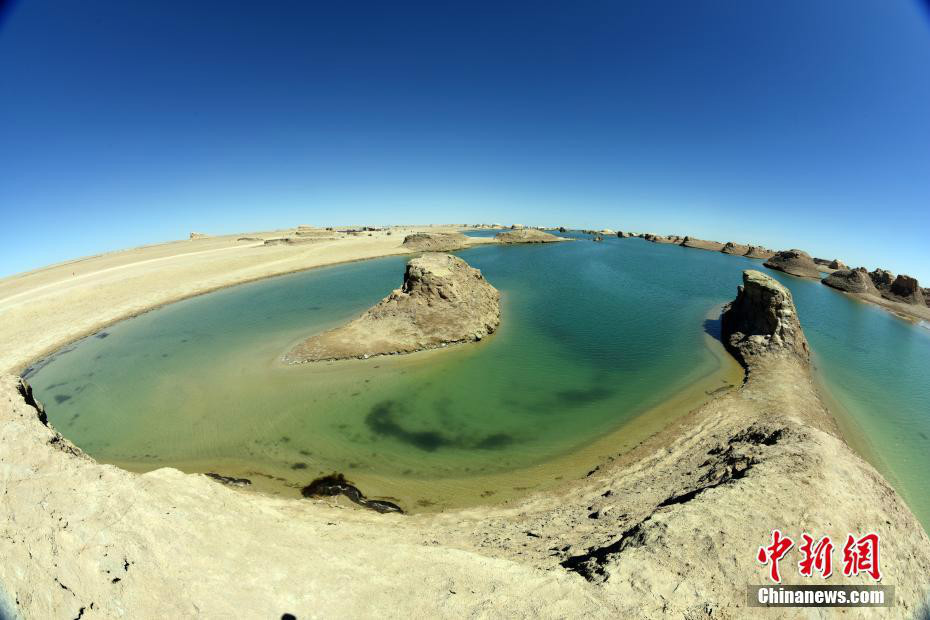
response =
{"points": [[795, 123]]}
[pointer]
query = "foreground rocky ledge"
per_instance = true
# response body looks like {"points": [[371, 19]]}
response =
{"points": [[442, 301], [670, 529]]}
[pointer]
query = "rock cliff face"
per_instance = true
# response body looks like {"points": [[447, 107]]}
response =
{"points": [[795, 262], [851, 281], [882, 279], [907, 289], [762, 321], [527, 235], [442, 301], [435, 242]]}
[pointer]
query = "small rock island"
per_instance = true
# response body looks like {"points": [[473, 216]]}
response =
{"points": [[443, 301], [527, 235], [796, 263], [435, 242]]}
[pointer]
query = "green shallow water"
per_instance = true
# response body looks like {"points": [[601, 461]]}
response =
{"points": [[593, 335]]}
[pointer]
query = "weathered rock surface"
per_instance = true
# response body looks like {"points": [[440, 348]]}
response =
{"points": [[442, 301], [735, 248], [907, 290], [882, 279], [435, 242], [198, 235], [830, 264], [852, 281], [900, 295], [702, 244], [527, 235], [762, 321], [757, 251], [795, 262]]}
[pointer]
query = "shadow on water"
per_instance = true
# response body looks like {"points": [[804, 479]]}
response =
{"points": [[382, 421], [714, 328], [579, 397]]}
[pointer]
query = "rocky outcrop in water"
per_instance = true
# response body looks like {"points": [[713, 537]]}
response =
{"points": [[702, 244], [435, 242], [526, 235], [660, 238], [852, 281], [762, 320], [735, 249], [757, 251], [830, 264], [795, 262], [442, 301]]}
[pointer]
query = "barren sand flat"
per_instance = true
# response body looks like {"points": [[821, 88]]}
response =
{"points": [[43, 310]]}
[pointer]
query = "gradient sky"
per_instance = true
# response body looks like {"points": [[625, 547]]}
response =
{"points": [[795, 123]]}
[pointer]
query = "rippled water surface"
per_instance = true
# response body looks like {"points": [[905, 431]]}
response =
{"points": [[592, 336]]}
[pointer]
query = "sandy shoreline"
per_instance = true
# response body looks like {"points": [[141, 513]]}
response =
{"points": [[184, 257], [47, 309], [568, 468], [618, 543]]}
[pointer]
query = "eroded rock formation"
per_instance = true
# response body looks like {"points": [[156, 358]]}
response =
{"points": [[757, 251], [527, 235], [442, 301], [795, 262], [702, 244], [736, 249], [762, 320], [435, 242], [907, 289], [852, 281], [882, 279]]}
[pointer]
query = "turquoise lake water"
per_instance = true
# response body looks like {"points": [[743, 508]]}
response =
{"points": [[593, 335]]}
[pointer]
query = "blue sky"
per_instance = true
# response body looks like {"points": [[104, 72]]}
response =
{"points": [[789, 124]]}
